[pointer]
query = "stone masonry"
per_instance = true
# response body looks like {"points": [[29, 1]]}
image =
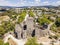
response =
{"points": [[28, 28]]}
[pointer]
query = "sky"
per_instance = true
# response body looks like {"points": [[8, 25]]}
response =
{"points": [[29, 2]]}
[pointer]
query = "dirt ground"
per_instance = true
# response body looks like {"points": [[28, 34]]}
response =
{"points": [[11, 42]]}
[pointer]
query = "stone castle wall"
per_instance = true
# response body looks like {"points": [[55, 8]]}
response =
{"points": [[30, 31]]}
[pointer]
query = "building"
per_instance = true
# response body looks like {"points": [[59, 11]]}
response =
{"points": [[28, 28]]}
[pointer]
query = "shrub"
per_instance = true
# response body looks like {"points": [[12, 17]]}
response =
{"points": [[32, 41], [43, 20], [57, 22], [41, 44], [53, 28], [1, 42], [21, 17], [31, 13], [6, 43]]}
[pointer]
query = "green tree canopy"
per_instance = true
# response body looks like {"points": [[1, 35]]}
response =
{"points": [[5, 27], [31, 13], [2, 31], [57, 22], [22, 17], [43, 20], [8, 25], [1, 42], [6, 43], [32, 41]]}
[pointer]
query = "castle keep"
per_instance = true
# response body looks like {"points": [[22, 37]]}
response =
{"points": [[28, 28]]}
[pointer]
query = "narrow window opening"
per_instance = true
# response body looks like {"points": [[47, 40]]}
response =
{"points": [[33, 33], [25, 27], [21, 35], [16, 35]]}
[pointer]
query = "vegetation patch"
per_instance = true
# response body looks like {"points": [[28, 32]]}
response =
{"points": [[22, 17], [32, 41], [43, 20], [6, 27], [31, 13]]}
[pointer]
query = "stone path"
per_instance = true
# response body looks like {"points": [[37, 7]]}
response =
{"points": [[19, 42]]}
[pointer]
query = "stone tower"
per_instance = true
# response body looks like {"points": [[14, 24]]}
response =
{"points": [[18, 31], [25, 28], [28, 28]]}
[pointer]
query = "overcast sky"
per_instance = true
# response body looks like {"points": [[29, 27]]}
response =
{"points": [[29, 2]]}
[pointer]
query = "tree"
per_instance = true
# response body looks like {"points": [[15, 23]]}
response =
{"points": [[31, 14], [11, 14], [1, 42], [53, 28], [43, 20], [21, 16], [6, 43], [5, 27], [43, 11], [2, 31], [32, 41], [41, 44], [8, 26], [52, 43], [57, 22]]}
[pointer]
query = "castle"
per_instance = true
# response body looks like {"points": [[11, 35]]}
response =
{"points": [[29, 28]]}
